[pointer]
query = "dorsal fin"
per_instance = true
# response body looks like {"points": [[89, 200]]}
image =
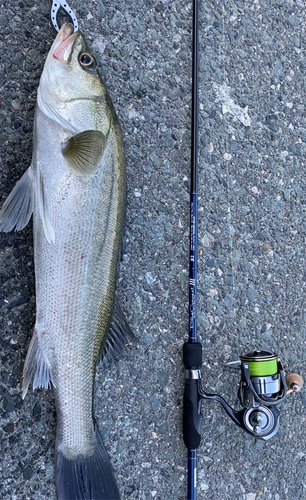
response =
{"points": [[18, 206], [114, 341]]}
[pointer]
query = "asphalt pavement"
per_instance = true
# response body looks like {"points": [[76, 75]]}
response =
{"points": [[251, 272]]}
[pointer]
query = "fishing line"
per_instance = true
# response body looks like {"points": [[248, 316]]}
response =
{"points": [[227, 150]]}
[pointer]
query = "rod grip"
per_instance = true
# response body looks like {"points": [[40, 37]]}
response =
{"points": [[191, 416], [192, 356]]}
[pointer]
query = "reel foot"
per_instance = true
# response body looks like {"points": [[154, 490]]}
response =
{"points": [[294, 382]]}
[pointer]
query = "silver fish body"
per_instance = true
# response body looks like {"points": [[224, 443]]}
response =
{"points": [[78, 206], [76, 276]]}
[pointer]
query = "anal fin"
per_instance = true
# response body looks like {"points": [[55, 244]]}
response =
{"points": [[117, 335], [36, 368]]}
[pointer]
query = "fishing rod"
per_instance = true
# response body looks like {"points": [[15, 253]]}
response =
{"points": [[263, 385], [192, 350]]}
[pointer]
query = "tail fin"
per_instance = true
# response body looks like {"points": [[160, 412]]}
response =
{"points": [[86, 478]]}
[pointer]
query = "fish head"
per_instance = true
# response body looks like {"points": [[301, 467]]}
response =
{"points": [[71, 91]]}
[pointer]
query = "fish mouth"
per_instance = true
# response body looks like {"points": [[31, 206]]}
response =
{"points": [[63, 43]]}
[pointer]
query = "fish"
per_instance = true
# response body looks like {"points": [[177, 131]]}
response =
{"points": [[76, 189]]}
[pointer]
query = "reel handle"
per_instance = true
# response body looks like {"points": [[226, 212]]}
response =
{"points": [[294, 383]]}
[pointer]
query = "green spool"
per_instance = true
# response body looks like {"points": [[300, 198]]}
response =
{"points": [[262, 363]]}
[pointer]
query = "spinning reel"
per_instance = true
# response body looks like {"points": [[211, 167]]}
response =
{"points": [[263, 387]]}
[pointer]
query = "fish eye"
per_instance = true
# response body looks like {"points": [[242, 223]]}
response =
{"points": [[87, 61]]}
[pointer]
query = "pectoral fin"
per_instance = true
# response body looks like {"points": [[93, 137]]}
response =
{"points": [[18, 206], [83, 151]]}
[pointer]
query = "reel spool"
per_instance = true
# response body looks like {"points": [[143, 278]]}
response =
{"points": [[262, 388], [262, 379]]}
